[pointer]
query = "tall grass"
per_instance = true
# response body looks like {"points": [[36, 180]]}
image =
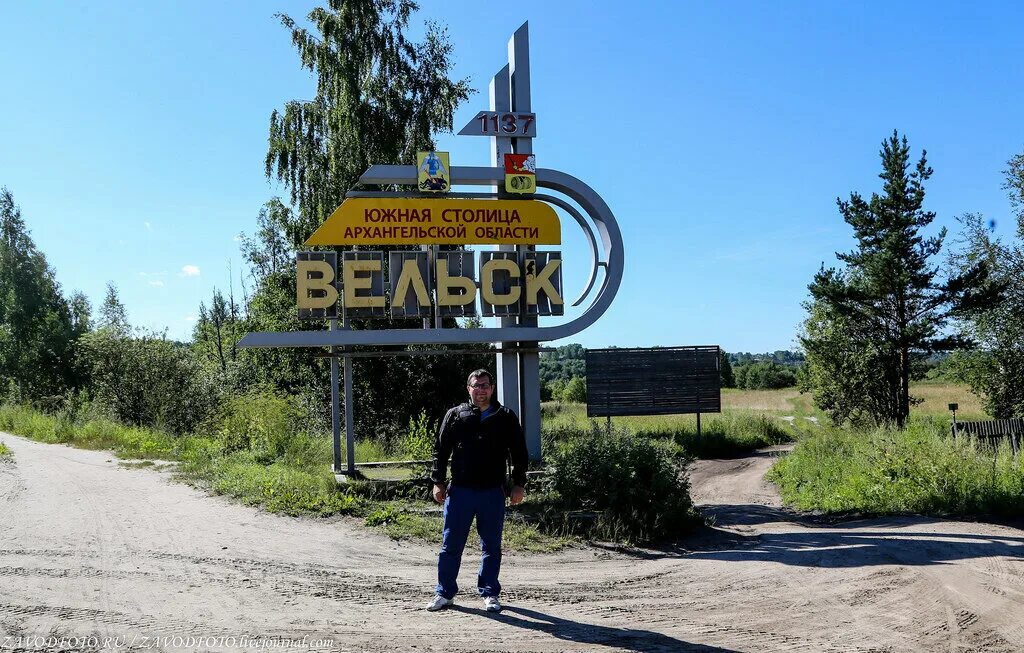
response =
{"points": [[919, 470], [725, 434], [296, 479], [5, 452]]}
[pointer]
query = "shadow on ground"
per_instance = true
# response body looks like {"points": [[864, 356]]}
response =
{"points": [[820, 541], [865, 542], [630, 639]]}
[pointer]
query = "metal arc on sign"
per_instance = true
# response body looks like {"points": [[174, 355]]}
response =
{"points": [[591, 203], [414, 221]]}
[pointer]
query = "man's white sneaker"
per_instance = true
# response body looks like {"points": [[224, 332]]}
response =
{"points": [[439, 603], [492, 604]]}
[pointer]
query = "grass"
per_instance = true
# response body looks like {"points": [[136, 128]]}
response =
{"points": [[787, 401], [732, 432], [5, 452], [299, 482], [920, 470], [831, 470], [937, 396]]}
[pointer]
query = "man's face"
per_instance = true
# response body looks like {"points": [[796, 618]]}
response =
{"points": [[480, 391]]}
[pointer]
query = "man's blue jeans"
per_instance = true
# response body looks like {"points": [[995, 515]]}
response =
{"points": [[462, 504]]}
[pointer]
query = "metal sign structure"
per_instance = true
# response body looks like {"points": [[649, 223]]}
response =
{"points": [[653, 381], [514, 261]]}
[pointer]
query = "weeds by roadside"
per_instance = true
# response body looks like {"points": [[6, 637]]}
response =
{"points": [[5, 452], [722, 435], [921, 470]]}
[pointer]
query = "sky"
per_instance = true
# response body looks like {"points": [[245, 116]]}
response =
{"points": [[133, 135]]}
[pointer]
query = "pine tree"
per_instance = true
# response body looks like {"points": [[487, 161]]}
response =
{"points": [[872, 324], [995, 368]]}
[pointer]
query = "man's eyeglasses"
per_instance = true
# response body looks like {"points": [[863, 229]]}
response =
{"points": [[480, 386]]}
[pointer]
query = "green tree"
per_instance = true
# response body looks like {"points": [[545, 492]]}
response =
{"points": [[113, 314], [216, 333], [764, 375], [726, 376], [380, 97], [562, 364], [884, 313], [37, 327], [575, 390], [147, 379], [995, 368]]}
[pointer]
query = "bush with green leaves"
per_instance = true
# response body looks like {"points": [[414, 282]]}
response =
{"points": [[575, 390], [636, 486], [147, 380], [261, 422], [767, 375], [418, 443]]}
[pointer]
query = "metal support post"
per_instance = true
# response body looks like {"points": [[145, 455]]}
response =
{"points": [[529, 362], [350, 422], [507, 371], [335, 408], [429, 249]]}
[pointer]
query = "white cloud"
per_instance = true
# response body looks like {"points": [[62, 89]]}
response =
{"points": [[238, 238], [189, 271], [149, 227], [190, 318], [157, 283]]}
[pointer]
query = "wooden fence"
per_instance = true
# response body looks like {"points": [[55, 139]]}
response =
{"points": [[992, 431]]}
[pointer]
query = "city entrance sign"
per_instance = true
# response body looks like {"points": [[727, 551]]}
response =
{"points": [[516, 282]]}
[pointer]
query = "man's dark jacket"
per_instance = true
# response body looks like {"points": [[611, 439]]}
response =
{"points": [[479, 449]]}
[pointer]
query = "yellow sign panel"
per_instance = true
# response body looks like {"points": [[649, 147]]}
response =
{"points": [[406, 221], [433, 173]]}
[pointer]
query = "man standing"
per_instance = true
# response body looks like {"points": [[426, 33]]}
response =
{"points": [[479, 437]]}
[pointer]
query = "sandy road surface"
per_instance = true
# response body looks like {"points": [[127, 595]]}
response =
{"points": [[91, 548]]}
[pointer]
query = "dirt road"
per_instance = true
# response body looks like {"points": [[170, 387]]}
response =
{"points": [[91, 549]]}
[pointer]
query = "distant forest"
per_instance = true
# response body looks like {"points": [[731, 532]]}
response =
{"points": [[779, 357], [775, 369]]}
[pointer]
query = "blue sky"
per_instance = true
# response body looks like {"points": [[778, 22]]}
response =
{"points": [[132, 135]]}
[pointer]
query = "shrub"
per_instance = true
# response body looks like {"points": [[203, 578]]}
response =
{"points": [[636, 486], [887, 471], [418, 443], [262, 423], [729, 434], [147, 381], [386, 514], [764, 376], [575, 391]]}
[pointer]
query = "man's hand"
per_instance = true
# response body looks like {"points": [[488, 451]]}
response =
{"points": [[439, 492], [518, 492]]}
